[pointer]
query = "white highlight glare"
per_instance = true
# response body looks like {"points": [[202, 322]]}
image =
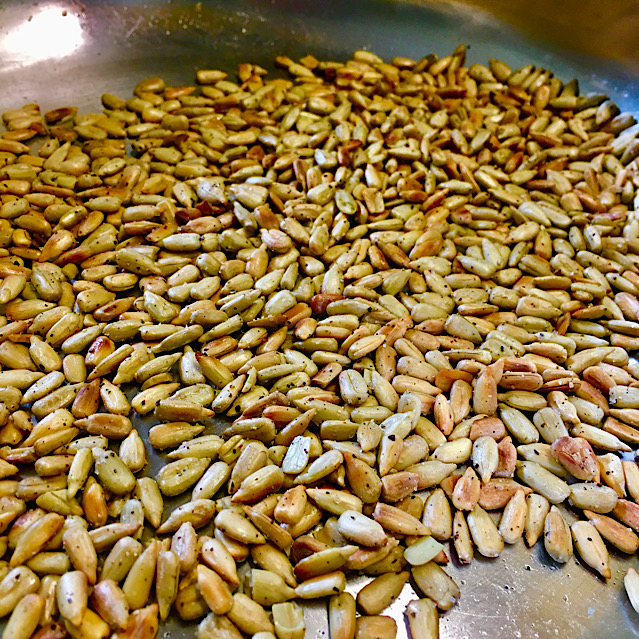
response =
{"points": [[50, 33]]}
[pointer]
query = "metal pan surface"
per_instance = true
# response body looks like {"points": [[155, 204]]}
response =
{"points": [[68, 52]]}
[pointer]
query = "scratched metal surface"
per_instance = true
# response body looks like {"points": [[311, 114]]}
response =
{"points": [[68, 52]]}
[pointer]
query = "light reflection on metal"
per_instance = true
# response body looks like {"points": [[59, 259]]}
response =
{"points": [[51, 32]]}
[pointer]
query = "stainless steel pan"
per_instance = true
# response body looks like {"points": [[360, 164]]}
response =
{"points": [[66, 52]]}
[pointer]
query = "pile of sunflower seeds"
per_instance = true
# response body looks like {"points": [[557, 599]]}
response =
{"points": [[411, 287]]}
